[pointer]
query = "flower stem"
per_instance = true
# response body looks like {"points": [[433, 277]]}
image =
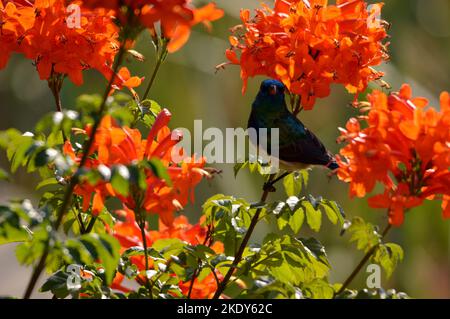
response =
{"points": [[361, 264], [141, 223], [74, 181], [55, 84], [161, 54], [251, 228]]}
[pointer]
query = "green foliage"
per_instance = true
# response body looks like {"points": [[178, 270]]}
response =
{"points": [[364, 234], [388, 256], [17, 221], [92, 248], [230, 218], [286, 267], [77, 280], [367, 238], [295, 182], [254, 165], [292, 212]]}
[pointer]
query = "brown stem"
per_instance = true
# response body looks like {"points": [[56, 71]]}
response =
{"points": [[55, 84], [361, 264], [240, 252], [74, 181]]}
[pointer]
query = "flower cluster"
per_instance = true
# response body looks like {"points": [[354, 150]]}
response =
{"points": [[128, 233], [176, 17], [405, 146], [309, 45], [40, 30], [115, 145]]}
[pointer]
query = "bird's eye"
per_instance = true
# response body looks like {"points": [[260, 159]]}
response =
{"points": [[273, 90]]}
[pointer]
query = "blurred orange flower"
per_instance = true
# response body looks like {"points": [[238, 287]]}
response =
{"points": [[128, 233], [405, 147], [115, 145], [308, 45], [176, 17]]}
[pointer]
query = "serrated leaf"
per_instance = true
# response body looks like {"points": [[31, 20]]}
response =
{"points": [[388, 256], [364, 234]]}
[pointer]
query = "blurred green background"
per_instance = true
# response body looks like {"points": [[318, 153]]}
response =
{"points": [[190, 88]]}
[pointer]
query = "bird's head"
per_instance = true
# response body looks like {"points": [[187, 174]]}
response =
{"points": [[271, 96]]}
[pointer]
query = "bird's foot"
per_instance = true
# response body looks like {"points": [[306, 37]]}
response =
{"points": [[268, 187]]}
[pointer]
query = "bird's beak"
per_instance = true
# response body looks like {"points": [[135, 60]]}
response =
{"points": [[273, 90]]}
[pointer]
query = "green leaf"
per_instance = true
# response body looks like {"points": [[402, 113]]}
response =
{"points": [[318, 289], [11, 229], [313, 216], [90, 248], [30, 251], [294, 182], [293, 262], [120, 180], [283, 220], [238, 167], [333, 211], [364, 234], [45, 156], [296, 220], [292, 185], [18, 154], [388, 256], [57, 284], [47, 182], [160, 170], [148, 110]]}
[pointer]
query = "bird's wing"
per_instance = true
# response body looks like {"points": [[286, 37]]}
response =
{"points": [[300, 145]]}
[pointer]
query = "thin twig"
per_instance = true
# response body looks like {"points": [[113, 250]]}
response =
{"points": [[240, 252], [197, 271], [161, 55]]}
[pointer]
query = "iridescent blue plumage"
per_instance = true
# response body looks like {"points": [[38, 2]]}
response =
{"points": [[299, 147]]}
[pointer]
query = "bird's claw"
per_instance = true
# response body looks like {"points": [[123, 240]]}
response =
{"points": [[268, 187]]}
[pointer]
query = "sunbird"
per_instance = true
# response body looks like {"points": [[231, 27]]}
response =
{"points": [[299, 148]]}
